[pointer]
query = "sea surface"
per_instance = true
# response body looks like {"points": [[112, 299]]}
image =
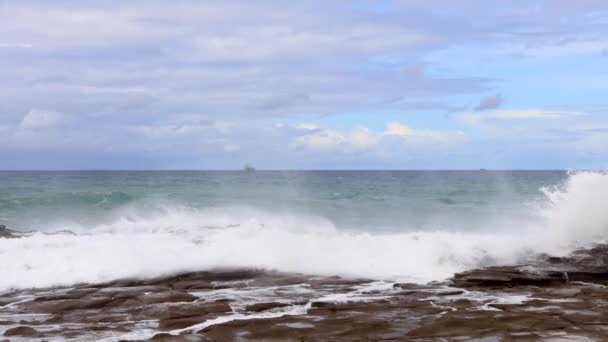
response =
{"points": [[93, 226]]}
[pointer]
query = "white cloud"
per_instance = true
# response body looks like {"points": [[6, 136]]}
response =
{"points": [[516, 114], [38, 119], [239, 31], [323, 139], [57, 27], [307, 126], [398, 129], [15, 46], [362, 137], [285, 40], [118, 90]]}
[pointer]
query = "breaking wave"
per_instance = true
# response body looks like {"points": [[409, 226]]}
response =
{"points": [[185, 239]]}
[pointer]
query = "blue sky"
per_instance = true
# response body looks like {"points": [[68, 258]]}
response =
{"points": [[409, 84]]}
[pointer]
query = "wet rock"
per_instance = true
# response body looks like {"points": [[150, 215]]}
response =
{"points": [[259, 307], [324, 307], [133, 291], [410, 286], [318, 283], [449, 293], [178, 316], [193, 285], [7, 233], [23, 331], [321, 304], [586, 265], [548, 323], [274, 279], [187, 309], [211, 276], [586, 318], [180, 323], [508, 276], [462, 303], [62, 295], [541, 300], [8, 300], [166, 297], [54, 306], [563, 292], [165, 337]]}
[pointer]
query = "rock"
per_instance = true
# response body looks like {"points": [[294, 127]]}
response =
{"points": [[321, 304], [179, 316], [508, 276], [166, 297], [54, 306], [193, 285], [180, 323], [337, 281], [8, 300], [410, 286], [70, 294], [217, 275], [24, 331], [587, 265], [186, 310], [449, 293], [165, 337], [563, 292], [462, 303], [259, 307], [7, 233], [586, 318], [540, 300], [162, 337]]}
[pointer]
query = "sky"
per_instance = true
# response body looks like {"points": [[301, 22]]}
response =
{"points": [[399, 84]]}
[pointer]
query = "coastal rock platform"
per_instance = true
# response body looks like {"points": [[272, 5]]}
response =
{"points": [[547, 299]]}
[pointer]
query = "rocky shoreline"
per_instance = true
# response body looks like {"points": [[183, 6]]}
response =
{"points": [[546, 299]]}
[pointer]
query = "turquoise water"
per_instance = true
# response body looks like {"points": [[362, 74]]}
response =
{"points": [[362, 200]]}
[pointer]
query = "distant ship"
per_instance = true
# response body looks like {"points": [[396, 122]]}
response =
{"points": [[248, 168]]}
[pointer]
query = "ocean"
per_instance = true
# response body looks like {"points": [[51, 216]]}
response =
{"points": [[416, 226]]}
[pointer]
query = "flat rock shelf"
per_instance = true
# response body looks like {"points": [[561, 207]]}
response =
{"points": [[547, 298]]}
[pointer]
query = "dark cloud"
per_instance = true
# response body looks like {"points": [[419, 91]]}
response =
{"points": [[490, 102]]}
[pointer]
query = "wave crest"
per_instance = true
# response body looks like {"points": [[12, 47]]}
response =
{"points": [[185, 239]]}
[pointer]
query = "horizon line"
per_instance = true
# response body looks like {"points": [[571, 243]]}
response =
{"points": [[286, 170]]}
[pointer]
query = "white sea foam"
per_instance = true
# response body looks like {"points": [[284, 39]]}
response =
{"points": [[186, 239], [578, 212]]}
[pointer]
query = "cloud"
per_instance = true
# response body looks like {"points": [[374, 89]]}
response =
{"points": [[39, 119], [490, 102], [404, 131], [189, 81], [285, 41], [251, 61], [516, 114], [15, 46], [363, 138], [323, 139]]}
